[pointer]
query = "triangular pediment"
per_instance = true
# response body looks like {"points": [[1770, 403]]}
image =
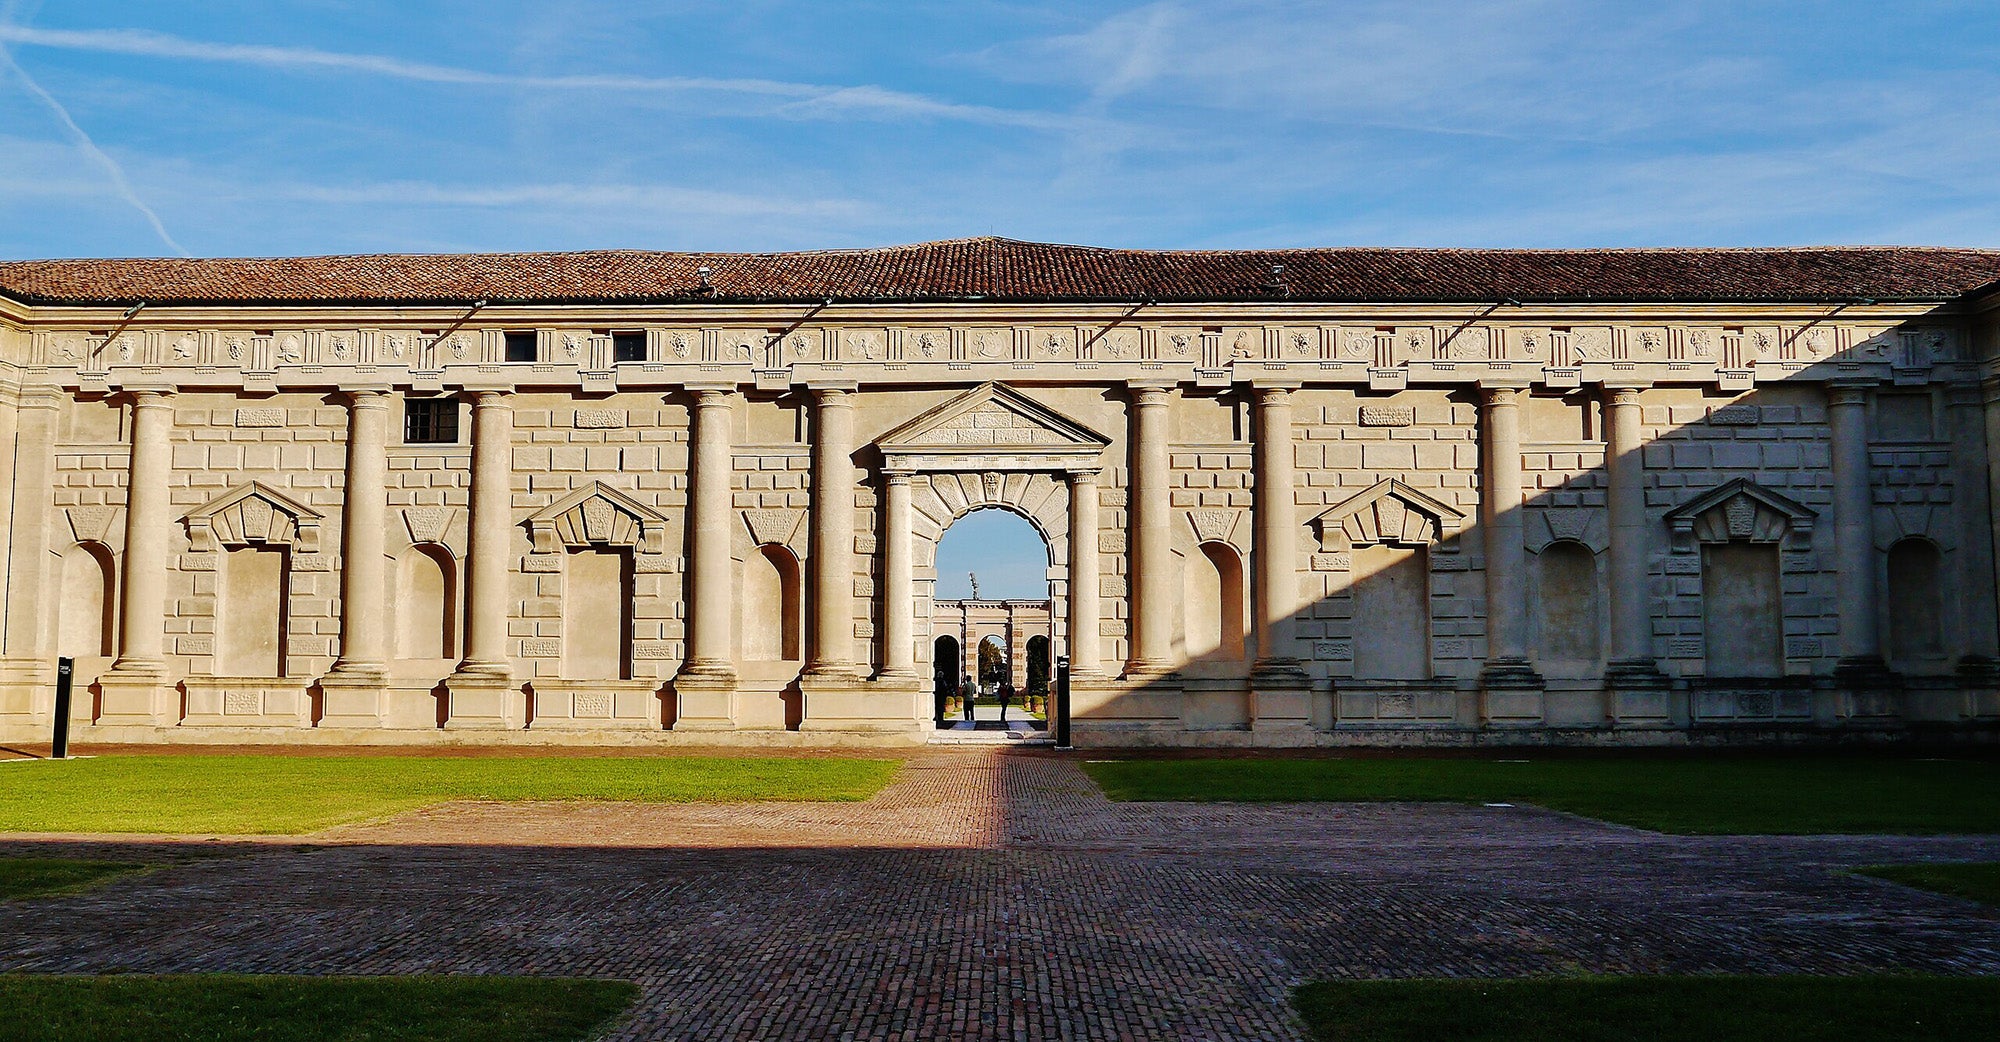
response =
{"points": [[253, 514], [1740, 510], [991, 418], [1392, 513], [597, 515]]}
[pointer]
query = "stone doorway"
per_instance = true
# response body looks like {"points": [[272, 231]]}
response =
{"points": [[993, 613]]}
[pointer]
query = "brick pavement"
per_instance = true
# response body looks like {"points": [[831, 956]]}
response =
{"points": [[994, 894]]}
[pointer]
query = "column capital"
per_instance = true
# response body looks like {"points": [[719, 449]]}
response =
{"points": [[150, 397], [897, 475], [486, 397], [711, 395], [1621, 394], [366, 397], [1273, 394], [835, 394], [1503, 396], [1847, 392], [1083, 475], [1150, 394]]}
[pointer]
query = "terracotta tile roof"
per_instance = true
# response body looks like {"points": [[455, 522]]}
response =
{"points": [[1010, 270]]}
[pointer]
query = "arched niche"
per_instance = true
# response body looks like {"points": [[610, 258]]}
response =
{"points": [[85, 621], [772, 625], [426, 606], [1569, 610], [1215, 606], [1916, 607]]}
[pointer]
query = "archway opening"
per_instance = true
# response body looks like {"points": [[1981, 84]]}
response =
{"points": [[993, 596]]}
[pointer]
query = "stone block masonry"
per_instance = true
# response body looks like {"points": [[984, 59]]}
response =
{"points": [[1299, 519]]}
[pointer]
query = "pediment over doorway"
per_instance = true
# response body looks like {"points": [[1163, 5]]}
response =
{"points": [[991, 427]]}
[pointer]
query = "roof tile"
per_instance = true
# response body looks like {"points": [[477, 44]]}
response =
{"points": [[1010, 270]]}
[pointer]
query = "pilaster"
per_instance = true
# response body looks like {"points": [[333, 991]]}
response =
{"points": [[1086, 642], [27, 670]]}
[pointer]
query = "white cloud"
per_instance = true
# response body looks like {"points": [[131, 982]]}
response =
{"points": [[806, 98]]}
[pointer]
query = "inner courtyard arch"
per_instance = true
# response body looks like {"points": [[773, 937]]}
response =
{"points": [[992, 595]]}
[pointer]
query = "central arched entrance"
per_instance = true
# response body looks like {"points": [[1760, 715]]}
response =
{"points": [[993, 613]]}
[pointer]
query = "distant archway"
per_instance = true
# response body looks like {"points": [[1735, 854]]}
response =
{"points": [[991, 625]]}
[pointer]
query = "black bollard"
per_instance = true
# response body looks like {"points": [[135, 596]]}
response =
{"points": [[1062, 702], [65, 672]]}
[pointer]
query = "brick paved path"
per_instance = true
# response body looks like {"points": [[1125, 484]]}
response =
{"points": [[996, 895]]}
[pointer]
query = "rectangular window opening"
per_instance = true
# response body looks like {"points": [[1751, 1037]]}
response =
{"points": [[520, 345], [430, 421], [628, 347]]}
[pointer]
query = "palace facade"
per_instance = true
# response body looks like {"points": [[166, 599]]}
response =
{"points": [[1302, 497]]}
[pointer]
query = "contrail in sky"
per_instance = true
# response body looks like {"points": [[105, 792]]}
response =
{"points": [[83, 141], [805, 97]]}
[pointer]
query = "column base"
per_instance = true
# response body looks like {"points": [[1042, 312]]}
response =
{"points": [[27, 692], [1869, 692], [1511, 694], [1637, 694], [704, 698], [483, 701], [1979, 685], [1280, 703], [136, 694], [1149, 670], [355, 696]]}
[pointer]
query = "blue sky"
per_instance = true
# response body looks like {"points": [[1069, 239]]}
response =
{"points": [[314, 126], [267, 127], [1005, 551]]}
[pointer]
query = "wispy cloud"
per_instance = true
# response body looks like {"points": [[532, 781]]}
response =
{"points": [[805, 98], [76, 134], [658, 198]]}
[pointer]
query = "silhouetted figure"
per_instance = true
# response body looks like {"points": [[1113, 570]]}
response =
{"points": [[968, 693], [1006, 696]]}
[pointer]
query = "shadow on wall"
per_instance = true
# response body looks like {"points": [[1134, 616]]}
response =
{"points": [[1740, 624]]}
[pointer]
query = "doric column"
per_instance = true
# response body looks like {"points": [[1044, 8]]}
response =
{"points": [[898, 578], [1501, 524], [492, 530], [364, 650], [1085, 625], [832, 595], [142, 620], [1153, 593], [1276, 586], [1631, 604], [1853, 527], [710, 597], [1979, 625]]}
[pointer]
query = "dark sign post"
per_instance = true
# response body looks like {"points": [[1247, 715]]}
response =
{"points": [[1062, 702], [65, 672]]}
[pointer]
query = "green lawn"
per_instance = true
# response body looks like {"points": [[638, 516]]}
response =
{"points": [[297, 1009], [56, 876], [290, 794], [1691, 795], [1978, 881], [1655, 1009]]}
